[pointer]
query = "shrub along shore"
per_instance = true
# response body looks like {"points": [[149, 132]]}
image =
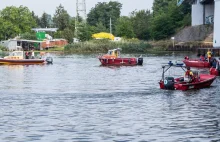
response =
{"points": [[102, 46]]}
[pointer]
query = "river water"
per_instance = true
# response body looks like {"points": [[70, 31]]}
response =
{"points": [[77, 100]]}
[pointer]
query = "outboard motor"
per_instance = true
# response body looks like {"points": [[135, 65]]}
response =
{"points": [[140, 60], [169, 83], [49, 60]]}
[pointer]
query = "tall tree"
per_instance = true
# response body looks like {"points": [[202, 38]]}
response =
{"points": [[16, 21], [141, 24], [45, 20], [103, 12], [61, 18], [68, 32], [168, 17], [36, 18], [124, 27]]}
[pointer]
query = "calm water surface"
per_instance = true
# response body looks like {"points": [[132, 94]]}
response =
{"points": [[77, 100]]}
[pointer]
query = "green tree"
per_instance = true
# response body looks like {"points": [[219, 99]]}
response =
{"points": [[68, 32], [29, 36], [124, 27], [141, 24], [45, 20], [16, 21], [100, 28], [61, 18], [103, 12], [168, 18], [162, 27], [36, 18]]}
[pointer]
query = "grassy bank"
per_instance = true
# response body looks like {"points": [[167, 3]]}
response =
{"points": [[102, 46]]}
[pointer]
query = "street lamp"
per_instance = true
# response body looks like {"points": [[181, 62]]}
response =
{"points": [[173, 39]]}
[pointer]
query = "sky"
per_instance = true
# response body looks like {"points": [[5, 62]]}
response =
{"points": [[49, 6]]}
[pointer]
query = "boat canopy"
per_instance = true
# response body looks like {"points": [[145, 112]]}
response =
{"points": [[115, 52], [15, 55]]}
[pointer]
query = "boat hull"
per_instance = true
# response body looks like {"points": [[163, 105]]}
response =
{"points": [[21, 61], [196, 63], [214, 71], [121, 61], [204, 82]]}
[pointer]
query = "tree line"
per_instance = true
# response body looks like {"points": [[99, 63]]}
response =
{"points": [[163, 21]]}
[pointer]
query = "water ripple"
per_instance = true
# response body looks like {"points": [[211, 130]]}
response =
{"points": [[76, 99]]}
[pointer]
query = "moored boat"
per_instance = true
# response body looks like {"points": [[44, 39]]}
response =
{"points": [[17, 58], [215, 69], [113, 58], [196, 63], [198, 81]]}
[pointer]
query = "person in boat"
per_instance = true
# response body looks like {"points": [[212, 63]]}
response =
{"points": [[26, 55], [209, 55], [113, 53], [202, 57], [214, 62], [32, 54], [186, 58], [188, 77]]}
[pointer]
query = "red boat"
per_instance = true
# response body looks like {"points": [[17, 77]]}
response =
{"points": [[199, 80], [113, 58], [215, 69], [196, 63], [17, 58]]}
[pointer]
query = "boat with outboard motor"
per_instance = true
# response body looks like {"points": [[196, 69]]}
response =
{"points": [[17, 58], [113, 58], [198, 81], [196, 63]]}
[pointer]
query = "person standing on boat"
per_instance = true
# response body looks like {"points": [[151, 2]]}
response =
{"points": [[209, 55], [202, 58], [32, 54], [188, 77], [26, 55]]}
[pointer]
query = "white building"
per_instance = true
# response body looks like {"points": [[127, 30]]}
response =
{"points": [[206, 12], [14, 44]]}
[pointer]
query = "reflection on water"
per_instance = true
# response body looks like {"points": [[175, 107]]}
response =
{"points": [[76, 99]]}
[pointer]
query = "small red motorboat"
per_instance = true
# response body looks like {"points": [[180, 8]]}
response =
{"points": [[196, 63], [113, 58], [199, 80]]}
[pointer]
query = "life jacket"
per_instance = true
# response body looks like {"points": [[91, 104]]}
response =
{"points": [[209, 54], [188, 73]]}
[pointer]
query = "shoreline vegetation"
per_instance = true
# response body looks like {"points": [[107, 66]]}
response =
{"points": [[127, 46], [97, 46]]}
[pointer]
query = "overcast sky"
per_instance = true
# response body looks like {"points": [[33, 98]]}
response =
{"points": [[49, 6]]}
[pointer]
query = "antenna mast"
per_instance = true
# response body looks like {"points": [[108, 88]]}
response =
{"points": [[80, 13]]}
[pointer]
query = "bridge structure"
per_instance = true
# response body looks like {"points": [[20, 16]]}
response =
{"points": [[206, 12]]}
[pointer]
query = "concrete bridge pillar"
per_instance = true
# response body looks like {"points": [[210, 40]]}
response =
{"points": [[197, 13], [216, 38]]}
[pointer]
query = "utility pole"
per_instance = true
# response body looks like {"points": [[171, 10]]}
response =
{"points": [[80, 12], [110, 25]]}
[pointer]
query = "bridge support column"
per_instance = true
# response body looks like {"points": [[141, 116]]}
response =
{"points": [[197, 13], [216, 38]]}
